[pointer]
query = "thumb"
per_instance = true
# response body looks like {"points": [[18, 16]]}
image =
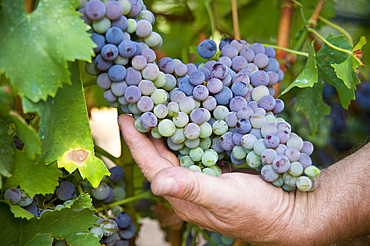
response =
{"points": [[199, 188]]}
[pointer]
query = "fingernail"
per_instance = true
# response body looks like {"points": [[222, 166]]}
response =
{"points": [[167, 187]]}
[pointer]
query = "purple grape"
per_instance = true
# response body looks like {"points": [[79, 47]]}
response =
{"points": [[279, 106], [237, 102], [210, 103], [144, 28], [305, 160], [146, 87], [226, 141], [268, 128], [132, 94], [109, 96], [65, 191], [117, 73], [283, 136], [95, 10], [257, 48], [167, 65], [207, 48], [261, 60], [145, 104], [273, 65], [148, 120], [281, 148], [307, 148], [274, 77], [198, 116], [181, 69], [127, 48], [114, 35], [109, 52], [237, 138], [113, 10], [191, 131], [227, 80], [272, 141], [247, 54], [224, 96], [110, 196], [259, 77], [13, 195], [214, 85], [268, 173], [239, 89], [218, 70], [270, 52], [118, 88], [177, 96], [281, 164], [280, 74], [33, 209], [243, 126], [135, 8], [231, 119], [123, 219], [191, 68], [149, 54], [224, 42], [200, 92], [116, 173], [245, 113], [239, 63], [197, 77], [103, 81], [127, 232], [284, 126], [236, 161], [241, 77], [186, 86], [139, 62], [133, 77], [84, 16], [229, 51], [293, 154], [268, 156], [267, 103], [121, 23], [99, 40]]}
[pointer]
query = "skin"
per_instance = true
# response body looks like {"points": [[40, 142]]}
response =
{"points": [[244, 206]]}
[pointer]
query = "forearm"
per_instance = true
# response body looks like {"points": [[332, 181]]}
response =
{"points": [[339, 209]]}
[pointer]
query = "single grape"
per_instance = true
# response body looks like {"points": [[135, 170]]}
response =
{"points": [[123, 219], [116, 173], [95, 10], [13, 195], [65, 191], [281, 164], [207, 48], [148, 120], [268, 173], [101, 192]]}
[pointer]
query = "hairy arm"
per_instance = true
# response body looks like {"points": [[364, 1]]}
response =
{"points": [[339, 209]]}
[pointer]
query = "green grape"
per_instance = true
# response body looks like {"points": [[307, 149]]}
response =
{"points": [[289, 179], [126, 6], [186, 161], [220, 112], [248, 141], [253, 160], [131, 25], [154, 132], [173, 109], [296, 168], [259, 92], [192, 143], [205, 130], [166, 128], [97, 232], [159, 96], [179, 136], [239, 152], [209, 171], [119, 193], [219, 127], [101, 26], [295, 142], [195, 168], [259, 146], [181, 120], [184, 151], [279, 181], [312, 171], [205, 143], [139, 127], [304, 183], [160, 80], [216, 169], [209, 158], [196, 153]]}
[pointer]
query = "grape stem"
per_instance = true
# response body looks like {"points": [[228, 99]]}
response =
{"points": [[234, 9], [144, 195], [328, 43], [29, 5], [338, 28], [312, 22], [211, 17], [301, 53], [204, 234], [100, 151]]}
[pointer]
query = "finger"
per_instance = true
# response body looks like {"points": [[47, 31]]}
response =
{"points": [[164, 151], [199, 188], [142, 148]]}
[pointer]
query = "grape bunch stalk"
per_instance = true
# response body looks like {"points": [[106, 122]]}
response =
{"points": [[223, 109]]}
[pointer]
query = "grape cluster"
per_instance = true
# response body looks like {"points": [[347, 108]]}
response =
{"points": [[223, 109]]}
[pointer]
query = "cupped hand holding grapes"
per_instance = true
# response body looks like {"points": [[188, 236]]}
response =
{"points": [[244, 206]]}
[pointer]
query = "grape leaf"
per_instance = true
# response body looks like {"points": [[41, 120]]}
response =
{"points": [[59, 224], [308, 93], [6, 149], [50, 36], [83, 239], [328, 56], [28, 174], [65, 131], [18, 211]]}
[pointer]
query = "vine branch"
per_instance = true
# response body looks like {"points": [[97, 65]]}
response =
{"points": [[284, 27], [29, 5], [234, 9], [312, 22]]}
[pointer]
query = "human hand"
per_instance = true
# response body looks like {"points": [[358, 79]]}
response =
{"points": [[239, 205]]}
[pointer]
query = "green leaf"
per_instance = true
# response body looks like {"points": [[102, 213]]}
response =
{"points": [[59, 224], [360, 43], [6, 149], [50, 36], [346, 71], [34, 178], [65, 131], [83, 239], [308, 77], [18, 211], [308, 93], [328, 56]]}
